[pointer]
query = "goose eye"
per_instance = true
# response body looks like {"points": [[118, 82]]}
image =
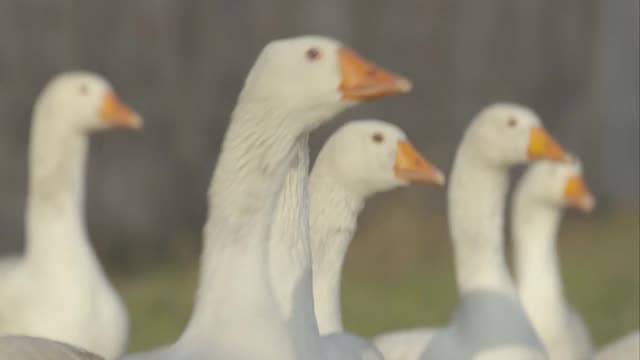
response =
{"points": [[377, 137], [512, 122], [83, 89], [313, 54]]}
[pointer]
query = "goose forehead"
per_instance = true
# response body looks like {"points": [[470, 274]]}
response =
{"points": [[294, 45], [527, 116], [73, 78], [306, 40], [500, 111], [372, 126], [64, 87]]}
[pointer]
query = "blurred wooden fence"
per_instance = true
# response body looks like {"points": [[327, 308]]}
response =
{"points": [[181, 64]]}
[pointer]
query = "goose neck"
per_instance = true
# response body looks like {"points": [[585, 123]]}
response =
{"points": [[290, 228], [55, 223], [290, 254], [477, 194], [334, 214], [535, 228], [235, 298]]}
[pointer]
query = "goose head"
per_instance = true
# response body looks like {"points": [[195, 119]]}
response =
{"points": [[504, 135], [558, 185], [85, 101], [370, 156], [317, 75]]}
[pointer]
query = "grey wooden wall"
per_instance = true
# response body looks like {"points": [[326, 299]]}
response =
{"points": [[181, 64]]}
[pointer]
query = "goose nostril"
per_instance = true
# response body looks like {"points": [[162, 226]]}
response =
{"points": [[372, 72]]}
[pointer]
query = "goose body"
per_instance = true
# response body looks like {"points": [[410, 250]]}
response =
{"points": [[489, 322], [625, 348], [33, 348], [295, 85], [408, 344], [58, 289], [539, 200]]}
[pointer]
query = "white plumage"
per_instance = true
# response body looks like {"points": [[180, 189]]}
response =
{"points": [[625, 348], [241, 310], [32, 348], [539, 200], [58, 289]]}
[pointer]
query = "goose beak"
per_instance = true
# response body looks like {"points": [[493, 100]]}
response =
{"points": [[116, 113], [543, 146], [363, 80], [413, 167], [577, 194]]}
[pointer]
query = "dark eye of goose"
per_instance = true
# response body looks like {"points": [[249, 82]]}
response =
{"points": [[313, 54], [378, 138], [83, 89], [512, 122]]}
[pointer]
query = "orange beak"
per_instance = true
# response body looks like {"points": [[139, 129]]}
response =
{"points": [[413, 167], [577, 194], [543, 146], [116, 113], [362, 80]]}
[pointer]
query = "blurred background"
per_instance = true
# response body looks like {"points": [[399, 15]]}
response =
{"points": [[182, 63]]}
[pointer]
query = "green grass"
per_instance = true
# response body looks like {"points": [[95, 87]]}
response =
{"points": [[403, 281]]}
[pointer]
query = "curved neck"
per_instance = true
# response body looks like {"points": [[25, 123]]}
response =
{"points": [[476, 219], [333, 219], [535, 228], [235, 299], [55, 222], [290, 253]]}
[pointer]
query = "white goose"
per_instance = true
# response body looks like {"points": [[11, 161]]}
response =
{"points": [[538, 204], [625, 348], [295, 85], [361, 145], [362, 158], [290, 260], [490, 322], [58, 289]]}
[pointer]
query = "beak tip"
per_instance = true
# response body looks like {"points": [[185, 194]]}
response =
{"points": [[404, 85], [440, 179], [565, 158], [588, 204], [136, 121]]}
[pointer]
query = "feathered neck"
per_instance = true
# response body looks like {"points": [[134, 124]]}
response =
{"points": [[290, 254], [334, 215], [235, 302], [477, 195], [55, 221], [535, 229]]}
